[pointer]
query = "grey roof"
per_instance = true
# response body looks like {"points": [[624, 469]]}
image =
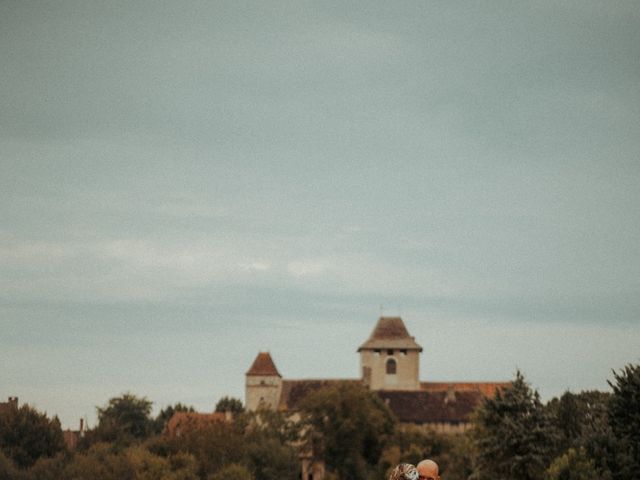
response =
{"points": [[422, 407], [390, 333]]}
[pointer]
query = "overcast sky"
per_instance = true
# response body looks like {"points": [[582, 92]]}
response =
{"points": [[184, 184]]}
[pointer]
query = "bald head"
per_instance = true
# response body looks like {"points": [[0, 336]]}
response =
{"points": [[428, 470]]}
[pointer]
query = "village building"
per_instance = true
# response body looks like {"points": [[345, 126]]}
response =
{"points": [[390, 366], [72, 437], [11, 403], [184, 422]]}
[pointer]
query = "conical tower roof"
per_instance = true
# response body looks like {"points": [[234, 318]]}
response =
{"points": [[390, 333], [263, 365]]}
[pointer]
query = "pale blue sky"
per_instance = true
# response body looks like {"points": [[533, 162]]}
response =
{"points": [[184, 184]]}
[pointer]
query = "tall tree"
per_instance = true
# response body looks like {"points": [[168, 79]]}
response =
{"points": [[8, 470], [214, 446], [347, 425], [624, 418], [26, 435], [573, 465], [513, 434], [124, 419], [269, 438], [582, 421], [229, 404]]}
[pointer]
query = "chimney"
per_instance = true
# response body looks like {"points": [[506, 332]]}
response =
{"points": [[81, 426], [451, 395]]}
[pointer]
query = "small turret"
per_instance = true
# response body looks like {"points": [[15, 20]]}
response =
{"points": [[263, 384]]}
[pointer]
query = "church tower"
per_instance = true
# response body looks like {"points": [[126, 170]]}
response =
{"points": [[263, 384], [390, 358]]}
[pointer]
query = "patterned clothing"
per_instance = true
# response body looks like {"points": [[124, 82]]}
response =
{"points": [[404, 471]]}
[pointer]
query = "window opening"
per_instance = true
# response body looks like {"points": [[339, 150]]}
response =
{"points": [[391, 367]]}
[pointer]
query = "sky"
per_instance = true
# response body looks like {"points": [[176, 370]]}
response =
{"points": [[185, 184]]}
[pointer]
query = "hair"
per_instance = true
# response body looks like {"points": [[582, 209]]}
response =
{"points": [[404, 471]]}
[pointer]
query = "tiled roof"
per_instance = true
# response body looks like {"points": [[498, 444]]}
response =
{"points": [[263, 365], [488, 389], [390, 332], [293, 391], [431, 407], [441, 406], [182, 422]]}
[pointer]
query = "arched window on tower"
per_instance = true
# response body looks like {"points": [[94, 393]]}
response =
{"points": [[391, 366]]}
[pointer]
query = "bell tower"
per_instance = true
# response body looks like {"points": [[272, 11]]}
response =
{"points": [[263, 384], [390, 358]]}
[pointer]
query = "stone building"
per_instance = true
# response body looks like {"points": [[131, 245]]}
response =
{"points": [[11, 403], [390, 366], [72, 437]]}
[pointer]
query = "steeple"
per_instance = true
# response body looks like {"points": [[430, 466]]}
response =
{"points": [[263, 365], [263, 383], [390, 332], [390, 358]]}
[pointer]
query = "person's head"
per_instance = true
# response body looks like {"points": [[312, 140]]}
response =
{"points": [[428, 470], [404, 471]]}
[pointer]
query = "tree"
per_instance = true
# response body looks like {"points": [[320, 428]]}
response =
{"points": [[47, 468], [26, 435], [147, 466], [229, 404], [347, 426], [573, 465], [266, 423], [411, 444], [582, 421], [166, 413], [8, 470], [513, 434], [100, 462], [235, 471], [624, 418], [214, 446], [568, 419], [577, 415], [124, 419], [270, 459], [103, 462], [269, 437]]}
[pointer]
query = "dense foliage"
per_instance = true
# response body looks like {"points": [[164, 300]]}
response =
{"points": [[229, 404], [579, 436], [124, 420], [624, 416], [26, 435], [514, 435], [347, 425]]}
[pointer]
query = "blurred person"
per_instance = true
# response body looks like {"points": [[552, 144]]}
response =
{"points": [[404, 471], [428, 470]]}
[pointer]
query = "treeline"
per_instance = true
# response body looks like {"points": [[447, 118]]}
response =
{"points": [[514, 436]]}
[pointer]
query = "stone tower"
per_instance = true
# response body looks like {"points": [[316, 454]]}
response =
{"points": [[390, 358], [263, 384]]}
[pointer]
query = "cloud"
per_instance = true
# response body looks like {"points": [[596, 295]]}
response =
{"points": [[36, 251], [258, 266], [304, 268]]}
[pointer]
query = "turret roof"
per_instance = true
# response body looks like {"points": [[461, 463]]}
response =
{"points": [[390, 332], [263, 365]]}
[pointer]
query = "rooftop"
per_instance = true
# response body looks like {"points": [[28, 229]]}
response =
{"points": [[390, 332], [263, 366]]}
